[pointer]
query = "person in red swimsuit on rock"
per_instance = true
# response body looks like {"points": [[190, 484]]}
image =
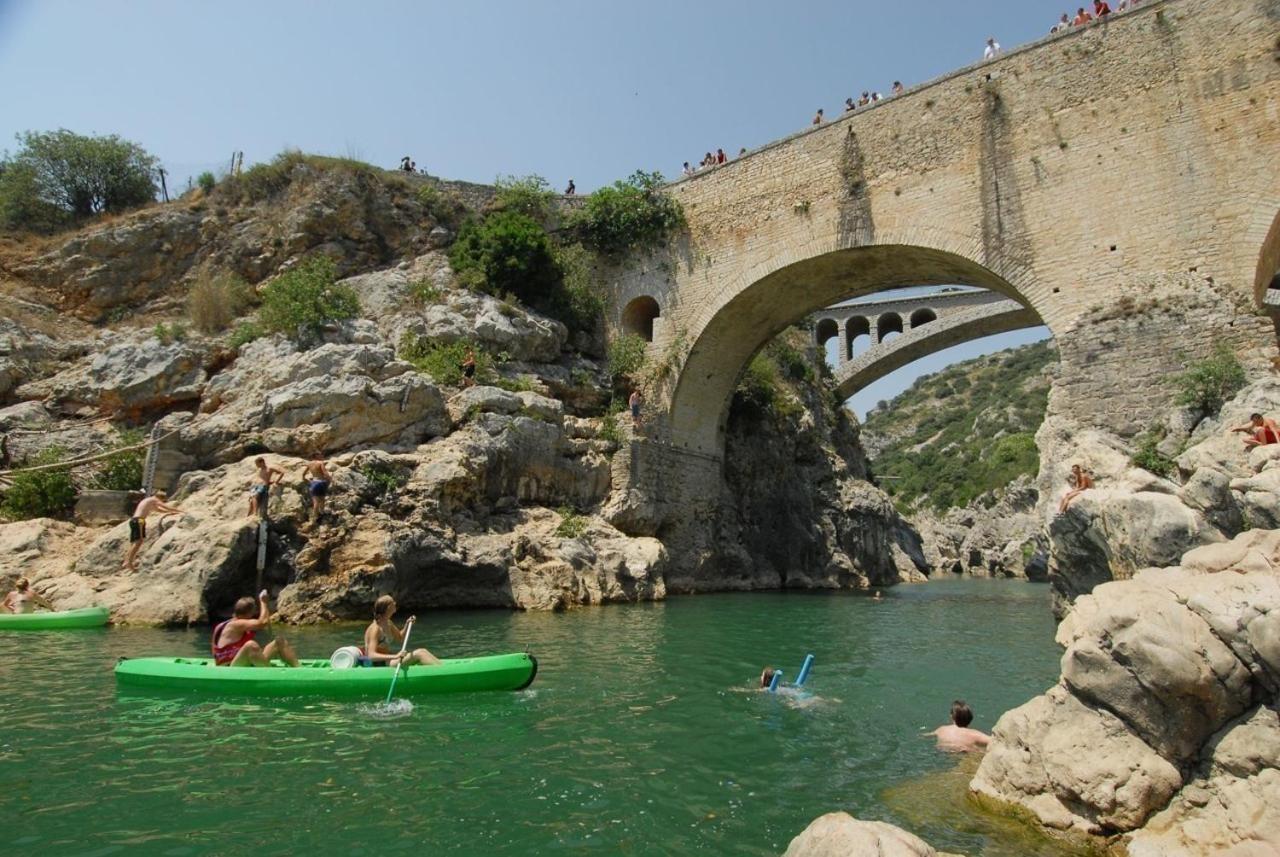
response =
{"points": [[1262, 431], [233, 641]]}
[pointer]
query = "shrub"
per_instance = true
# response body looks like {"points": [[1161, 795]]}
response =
{"points": [[244, 334], [443, 206], [443, 360], [1149, 458], [169, 333], [627, 215], [41, 493], [122, 471], [424, 293], [758, 388], [792, 361], [306, 298], [527, 195], [207, 182], [507, 252], [610, 431], [626, 357], [382, 478], [215, 301], [60, 176], [1207, 384], [577, 303], [572, 525], [263, 181]]}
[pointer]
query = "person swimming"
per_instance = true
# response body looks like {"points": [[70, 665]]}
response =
{"points": [[24, 599], [766, 677], [956, 736]]}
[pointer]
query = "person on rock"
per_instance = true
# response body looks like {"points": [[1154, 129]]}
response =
{"points": [[264, 478], [233, 642], [469, 369], [636, 403], [24, 599], [318, 480], [1262, 431], [382, 639], [1080, 481], [138, 525], [956, 736], [571, 190]]}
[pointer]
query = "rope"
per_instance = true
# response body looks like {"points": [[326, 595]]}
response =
{"points": [[76, 462]]}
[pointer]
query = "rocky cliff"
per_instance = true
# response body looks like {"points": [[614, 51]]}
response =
{"points": [[447, 496]]}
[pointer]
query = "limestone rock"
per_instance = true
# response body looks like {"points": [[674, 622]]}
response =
{"points": [[501, 328], [838, 834]]}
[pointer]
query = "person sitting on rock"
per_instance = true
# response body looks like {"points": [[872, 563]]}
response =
{"points": [[382, 637], [318, 480], [233, 642], [956, 736], [1080, 481], [1262, 431], [265, 477], [138, 525], [24, 599]]}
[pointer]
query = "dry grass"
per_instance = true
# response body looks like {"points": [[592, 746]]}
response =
{"points": [[216, 300]]}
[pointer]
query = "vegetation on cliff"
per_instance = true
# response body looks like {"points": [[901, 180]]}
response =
{"points": [[963, 432]]}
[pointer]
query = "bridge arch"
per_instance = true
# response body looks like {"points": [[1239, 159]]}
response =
{"points": [[854, 328], [752, 315], [889, 322], [824, 330], [638, 317], [924, 315]]}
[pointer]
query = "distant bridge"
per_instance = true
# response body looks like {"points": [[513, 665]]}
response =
{"points": [[924, 324]]}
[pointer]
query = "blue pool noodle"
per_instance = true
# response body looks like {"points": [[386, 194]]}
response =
{"points": [[804, 670], [777, 677]]}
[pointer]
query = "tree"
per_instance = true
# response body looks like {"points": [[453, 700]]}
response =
{"points": [[60, 176], [508, 252]]}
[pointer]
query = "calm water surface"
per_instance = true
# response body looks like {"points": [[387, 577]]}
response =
{"points": [[641, 734]]}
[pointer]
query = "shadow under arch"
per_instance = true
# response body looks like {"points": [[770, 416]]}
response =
{"points": [[699, 401]]}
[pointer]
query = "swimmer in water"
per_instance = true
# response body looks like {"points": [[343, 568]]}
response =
{"points": [[766, 678], [956, 736], [24, 599]]}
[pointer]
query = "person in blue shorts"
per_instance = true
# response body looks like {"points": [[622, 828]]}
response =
{"points": [[264, 478], [318, 481]]}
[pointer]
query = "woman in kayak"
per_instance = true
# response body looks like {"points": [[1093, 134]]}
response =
{"points": [[233, 643], [24, 599], [382, 639]]}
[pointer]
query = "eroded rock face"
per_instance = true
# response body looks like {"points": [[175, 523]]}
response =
{"points": [[1005, 539], [838, 834], [1159, 672]]}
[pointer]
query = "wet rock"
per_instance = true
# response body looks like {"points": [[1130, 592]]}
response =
{"points": [[838, 834]]}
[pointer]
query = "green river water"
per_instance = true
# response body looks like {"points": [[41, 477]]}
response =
{"points": [[641, 734]]}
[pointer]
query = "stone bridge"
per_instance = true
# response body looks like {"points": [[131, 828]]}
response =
{"points": [[1120, 181], [924, 325]]}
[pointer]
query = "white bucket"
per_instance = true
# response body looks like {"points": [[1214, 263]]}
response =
{"points": [[344, 658]]}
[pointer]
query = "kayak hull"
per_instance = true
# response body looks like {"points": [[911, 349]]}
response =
{"points": [[87, 617], [317, 678]]}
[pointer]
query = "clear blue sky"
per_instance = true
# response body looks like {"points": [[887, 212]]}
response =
{"points": [[588, 89]]}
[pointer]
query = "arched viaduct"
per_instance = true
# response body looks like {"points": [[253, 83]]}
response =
{"points": [[1121, 182], [924, 325]]}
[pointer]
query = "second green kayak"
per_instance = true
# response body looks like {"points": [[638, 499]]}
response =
{"points": [[317, 678], [86, 617]]}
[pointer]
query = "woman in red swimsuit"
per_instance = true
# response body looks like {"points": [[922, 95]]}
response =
{"points": [[233, 643]]}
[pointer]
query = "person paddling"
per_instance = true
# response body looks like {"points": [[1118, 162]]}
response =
{"points": [[382, 639], [233, 642], [24, 599]]}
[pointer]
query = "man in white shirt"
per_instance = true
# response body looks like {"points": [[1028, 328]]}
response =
{"points": [[993, 49], [1064, 24]]}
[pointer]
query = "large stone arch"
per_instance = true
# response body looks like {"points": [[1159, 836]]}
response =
{"points": [[750, 316]]}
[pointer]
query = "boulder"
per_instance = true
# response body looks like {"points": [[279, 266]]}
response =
{"points": [[838, 834]]}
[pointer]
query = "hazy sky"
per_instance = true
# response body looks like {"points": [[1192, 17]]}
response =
{"points": [[588, 89]]}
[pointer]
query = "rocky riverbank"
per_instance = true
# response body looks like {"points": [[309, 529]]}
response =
{"points": [[489, 495]]}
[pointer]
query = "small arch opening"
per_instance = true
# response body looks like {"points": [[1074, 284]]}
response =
{"points": [[888, 326], [826, 335], [923, 316], [638, 316], [857, 336]]}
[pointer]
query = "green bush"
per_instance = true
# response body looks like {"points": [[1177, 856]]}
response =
{"points": [[382, 478], [443, 360], [244, 334], [306, 298], [626, 357], [527, 195], [263, 181], [169, 333], [792, 361], [42, 493], [1207, 384], [207, 182], [58, 177], [215, 301], [122, 471], [627, 215], [758, 388], [1151, 459], [507, 252], [424, 293], [577, 302], [572, 525]]}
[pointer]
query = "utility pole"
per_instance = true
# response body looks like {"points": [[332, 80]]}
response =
{"points": [[163, 188]]}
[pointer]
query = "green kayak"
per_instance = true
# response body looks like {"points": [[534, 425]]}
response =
{"points": [[85, 617], [317, 678]]}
